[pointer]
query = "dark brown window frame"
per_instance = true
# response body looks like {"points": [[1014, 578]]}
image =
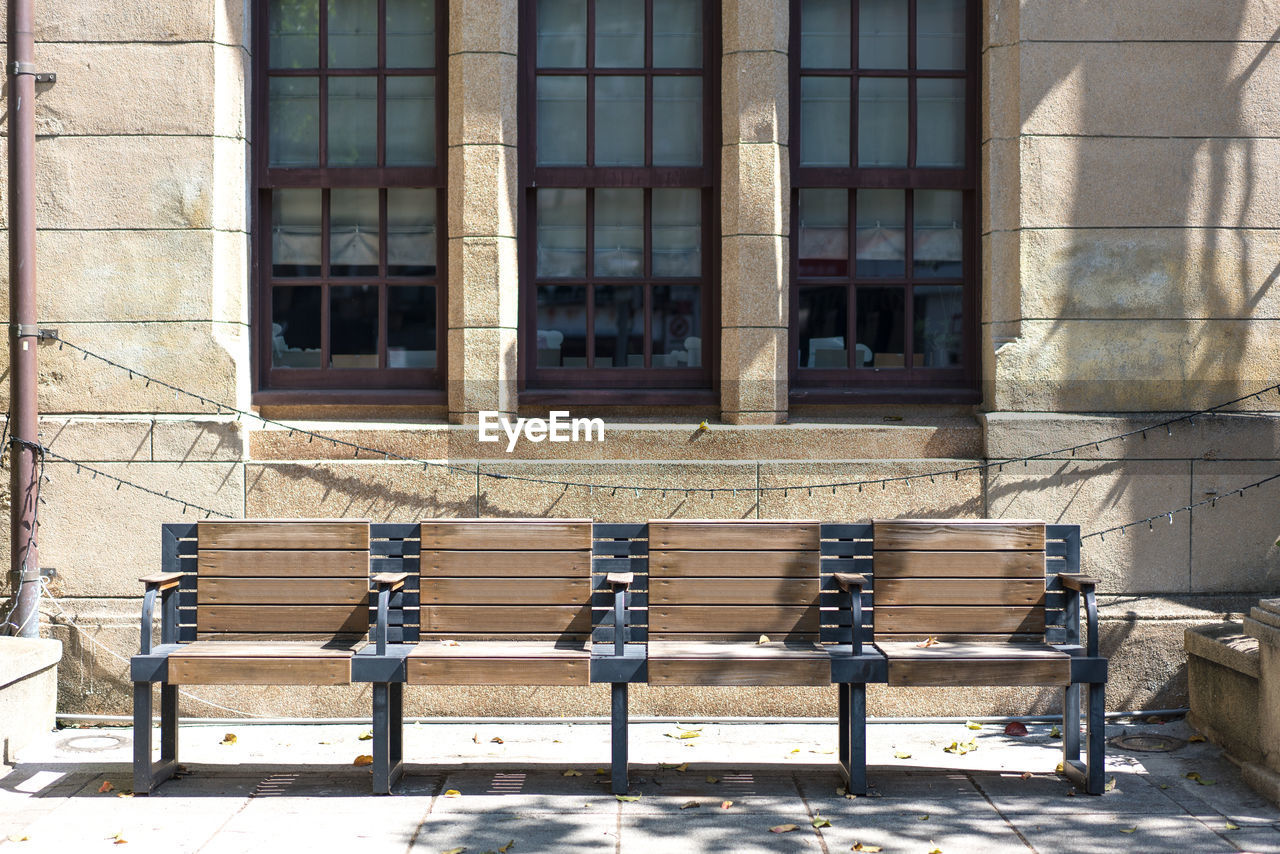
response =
{"points": [[629, 385], [327, 385], [906, 384]]}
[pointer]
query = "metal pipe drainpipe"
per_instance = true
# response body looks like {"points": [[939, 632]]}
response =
{"points": [[24, 566]]}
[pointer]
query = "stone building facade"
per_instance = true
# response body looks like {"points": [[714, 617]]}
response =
{"points": [[1064, 213]]}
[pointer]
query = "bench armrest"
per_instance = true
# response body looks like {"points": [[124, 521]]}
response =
{"points": [[386, 583], [852, 584], [166, 585], [1077, 586], [621, 583], [620, 579], [392, 580], [850, 581]]}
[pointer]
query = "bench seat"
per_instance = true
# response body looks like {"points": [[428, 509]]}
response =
{"points": [[970, 663], [728, 663], [271, 663], [498, 663]]}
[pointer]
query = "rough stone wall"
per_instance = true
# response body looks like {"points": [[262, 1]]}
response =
{"points": [[1129, 244]]}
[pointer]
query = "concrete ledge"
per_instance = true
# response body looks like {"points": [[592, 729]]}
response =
{"points": [[1225, 644], [28, 691]]}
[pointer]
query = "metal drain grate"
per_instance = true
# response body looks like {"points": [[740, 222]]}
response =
{"points": [[1147, 743]]}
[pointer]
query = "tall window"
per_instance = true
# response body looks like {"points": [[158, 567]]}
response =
{"points": [[619, 165], [350, 195], [885, 166]]}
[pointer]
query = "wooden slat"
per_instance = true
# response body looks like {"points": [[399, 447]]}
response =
{"points": [[734, 563], [758, 535], [519, 591], [958, 535], [283, 534], [268, 649], [499, 671], [507, 534], [988, 671], [729, 618], [283, 563], [207, 670], [539, 564], [952, 564], [749, 650], [738, 671], [733, 591], [958, 619], [950, 591], [509, 619], [281, 591], [282, 618]]}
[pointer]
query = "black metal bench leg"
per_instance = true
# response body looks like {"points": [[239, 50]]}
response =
{"points": [[1071, 724], [388, 733], [146, 773], [1095, 744], [619, 737], [842, 697], [857, 734]]}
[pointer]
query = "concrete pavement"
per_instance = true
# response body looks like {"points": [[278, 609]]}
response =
{"points": [[536, 787]]}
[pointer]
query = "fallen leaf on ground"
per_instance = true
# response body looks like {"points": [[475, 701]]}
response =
{"points": [[504, 849], [365, 736], [127, 793], [1195, 739], [452, 793], [935, 849], [795, 750], [764, 639], [628, 798], [858, 846], [1026, 775], [497, 739], [922, 817], [901, 754], [448, 643], [929, 641], [1195, 775], [973, 725], [689, 805], [1155, 719], [16, 838], [712, 780], [1231, 826], [1128, 830], [1164, 785], [682, 767], [454, 851], [118, 838], [1054, 732], [819, 821], [1109, 785], [602, 772], [822, 752], [960, 748], [572, 773], [1058, 768], [475, 738], [1015, 728], [363, 760], [105, 787], [229, 738], [724, 805], [783, 828], [685, 734]]}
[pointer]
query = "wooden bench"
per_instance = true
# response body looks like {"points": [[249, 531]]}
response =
{"points": [[983, 602], [500, 602], [246, 603], [741, 604]]}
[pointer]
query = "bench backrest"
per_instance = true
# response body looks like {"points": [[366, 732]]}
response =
{"points": [[505, 578], [959, 579], [733, 581], [281, 578]]}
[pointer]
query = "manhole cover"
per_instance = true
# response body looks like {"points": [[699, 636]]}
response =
{"points": [[92, 743], [1147, 743]]}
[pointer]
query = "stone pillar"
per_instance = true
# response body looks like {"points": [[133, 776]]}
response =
{"points": [[1263, 623], [755, 212], [484, 282]]}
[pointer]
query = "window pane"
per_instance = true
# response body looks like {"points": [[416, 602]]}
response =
{"points": [[939, 326], [882, 33], [882, 122], [677, 33], [411, 121], [824, 233], [823, 327], [411, 33], [824, 121], [562, 326], [882, 233], [293, 33], [293, 107], [353, 233], [353, 121], [880, 328], [562, 33], [940, 123], [619, 233], [562, 121], [353, 326], [353, 33], [562, 234], [677, 121], [825, 34], [677, 326], [295, 234], [411, 327], [619, 327], [620, 121], [411, 232], [940, 34], [939, 234], [295, 327], [619, 33], [677, 233]]}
